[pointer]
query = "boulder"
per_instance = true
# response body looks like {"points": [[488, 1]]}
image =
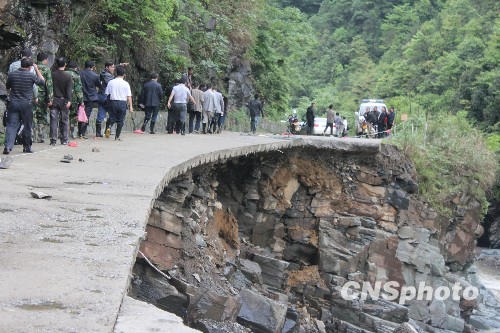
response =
{"points": [[211, 305], [454, 324], [398, 199], [273, 270], [260, 313], [299, 252], [406, 232], [251, 270], [405, 328], [425, 257], [419, 310], [437, 312]]}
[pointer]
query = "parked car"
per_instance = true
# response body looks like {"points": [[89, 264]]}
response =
{"points": [[319, 127], [359, 114]]}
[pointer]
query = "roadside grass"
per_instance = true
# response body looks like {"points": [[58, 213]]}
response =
{"points": [[239, 121], [451, 158], [493, 143]]}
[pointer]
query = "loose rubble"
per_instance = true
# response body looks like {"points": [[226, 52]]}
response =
{"points": [[264, 243]]}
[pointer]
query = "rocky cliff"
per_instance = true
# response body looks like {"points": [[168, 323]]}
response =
{"points": [[491, 237], [38, 25], [265, 242], [52, 27]]}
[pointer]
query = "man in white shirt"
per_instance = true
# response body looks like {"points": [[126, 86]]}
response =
{"points": [[119, 94], [180, 94]]}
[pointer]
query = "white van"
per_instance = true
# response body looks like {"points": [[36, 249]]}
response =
{"points": [[367, 103]]}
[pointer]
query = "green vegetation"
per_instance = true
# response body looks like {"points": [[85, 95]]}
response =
{"points": [[451, 158], [437, 61], [163, 35]]}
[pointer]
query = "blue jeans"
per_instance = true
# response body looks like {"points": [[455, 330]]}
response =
{"points": [[101, 110], [196, 115], [151, 112], [89, 105], [19, 112], [254, 123], [117, 112]]}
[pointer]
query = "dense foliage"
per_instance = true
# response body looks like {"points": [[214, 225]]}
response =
{"points": [[164, 35], [442, 54], [431, 59], [441, 149], [437, 61]]}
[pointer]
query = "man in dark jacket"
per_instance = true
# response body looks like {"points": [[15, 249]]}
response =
{"points": [[373, 118], [390, 118], [170, 127], [105, 76], [382, 122], [20, 108], [59, 110], [149, 100], [90, 83], [255, 108], [310, 118]]}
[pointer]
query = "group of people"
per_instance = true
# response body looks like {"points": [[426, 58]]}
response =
{"points": [[203, 107], [36, 91], [332, 118], [376, 122], [68, 96]]}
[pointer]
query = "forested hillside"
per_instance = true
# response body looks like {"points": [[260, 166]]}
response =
{"points": [[435, 60], [439, 55]]}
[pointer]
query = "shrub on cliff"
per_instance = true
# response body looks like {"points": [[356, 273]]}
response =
{"points": [[451, 158]]}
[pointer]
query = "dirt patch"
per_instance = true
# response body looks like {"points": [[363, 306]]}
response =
{"points": [[308, 274], [227, 227]]}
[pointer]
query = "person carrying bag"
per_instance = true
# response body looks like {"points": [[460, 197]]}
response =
{"points": [[82, 119]]}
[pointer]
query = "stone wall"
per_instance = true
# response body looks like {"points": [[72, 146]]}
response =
{"points": [[264, 242]]}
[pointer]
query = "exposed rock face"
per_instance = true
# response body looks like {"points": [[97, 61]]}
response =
{"points": [[35, 24], [267, 241], [240, 87], [491, 237]]}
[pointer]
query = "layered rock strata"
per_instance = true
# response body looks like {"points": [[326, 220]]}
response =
{"points": [[265, 242]]}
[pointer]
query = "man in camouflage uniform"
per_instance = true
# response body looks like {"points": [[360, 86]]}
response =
{"points": [[77, 98], [45, 95]]}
